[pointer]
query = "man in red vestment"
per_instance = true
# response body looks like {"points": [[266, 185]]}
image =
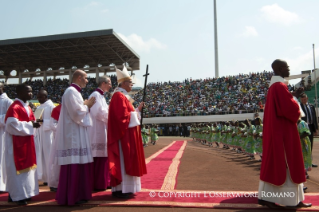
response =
{"points": [[282, 168], [124, 140], [20, 155]]}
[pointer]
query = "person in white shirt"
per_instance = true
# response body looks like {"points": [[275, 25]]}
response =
{"points": [[43, 137], [98, 135], [73, 146], [5, 103]]}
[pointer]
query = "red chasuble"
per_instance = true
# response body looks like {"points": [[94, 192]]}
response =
{"points": [[131, 140], [281, 138], [23, 146], [56, 112]]}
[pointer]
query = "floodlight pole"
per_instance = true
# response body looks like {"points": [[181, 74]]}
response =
{"points": [[216, 41], [314, 68]]}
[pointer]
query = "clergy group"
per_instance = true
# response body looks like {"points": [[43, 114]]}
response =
{"points": [[75, 148]]}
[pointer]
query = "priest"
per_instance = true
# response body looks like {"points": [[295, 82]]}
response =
{"points": [[20, 155], [282, 168], [124, 140], [54, 170], [5, 103], [97, 134], [73, 149], [44, 136]]}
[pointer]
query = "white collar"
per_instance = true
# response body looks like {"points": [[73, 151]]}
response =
{"points": [[3, 96], [24, 104], [276, 78], [48, 102], [122, 90]]}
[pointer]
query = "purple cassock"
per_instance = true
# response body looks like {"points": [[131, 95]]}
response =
{"points": [[73, 149], [75, 183], [98, 137]]}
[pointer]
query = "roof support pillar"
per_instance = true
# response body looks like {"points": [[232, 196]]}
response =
{"points": [[44, 78], [70, 77], [97, 75], [6, 80], [20, 77]]}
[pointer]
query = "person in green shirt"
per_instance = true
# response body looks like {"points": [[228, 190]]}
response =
{"points": [[236, 135], [304, 133], [224, 134], [211, 134], [249, 144], [154, 136], [258, 135], [216, 137], [242, 135], [230, 135], [145, 135]]}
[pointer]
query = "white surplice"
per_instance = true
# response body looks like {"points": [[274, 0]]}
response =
{"points": [[24, 185], [5, 103], [43, 139], [268, 192], [54, 170], [72, 144], [130, 184], [98, 132]]}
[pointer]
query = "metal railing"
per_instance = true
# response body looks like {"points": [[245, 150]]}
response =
{"points": [[202, 113]]}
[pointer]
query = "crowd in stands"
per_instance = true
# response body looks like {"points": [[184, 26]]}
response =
{"points": [[233, 94], [242, 93], [57, 87]]}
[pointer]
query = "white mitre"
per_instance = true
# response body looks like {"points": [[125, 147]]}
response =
{"points": [[122, 75]]}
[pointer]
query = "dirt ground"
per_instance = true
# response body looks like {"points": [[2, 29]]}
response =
{"points": [[201, 168]]}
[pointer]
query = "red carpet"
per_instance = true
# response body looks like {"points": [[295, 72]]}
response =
{"points": [[158, 168], [194, 199]]}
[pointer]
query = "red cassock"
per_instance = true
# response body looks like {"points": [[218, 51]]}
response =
{"points": [[281, 137], [131, 140], [23, 146], [56, 112]]}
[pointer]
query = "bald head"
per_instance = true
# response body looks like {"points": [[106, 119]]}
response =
{"points": [[80, 78], [78, 73], [43, 92], [280, 68], [42, 96]]}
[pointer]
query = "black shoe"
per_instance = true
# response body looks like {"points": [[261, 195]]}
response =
{"points": [[9, 198], [45, 183], [109, 187], [119, 194], [53, 189], [29, 199], [268, 204], [22, 202], [314, 165], [81, 202], [305, 188]]}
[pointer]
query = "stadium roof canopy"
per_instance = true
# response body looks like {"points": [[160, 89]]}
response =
{"points": [[53, 55]]}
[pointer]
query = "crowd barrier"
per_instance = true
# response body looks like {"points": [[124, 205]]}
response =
{"points": [[205, 118]]}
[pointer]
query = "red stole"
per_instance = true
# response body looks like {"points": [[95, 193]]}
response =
{"points": [[281, 141], [131, 140], [23, 146], [56, 112]]}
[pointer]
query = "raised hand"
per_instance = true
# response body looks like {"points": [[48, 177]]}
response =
{"points": [[90, 102]]}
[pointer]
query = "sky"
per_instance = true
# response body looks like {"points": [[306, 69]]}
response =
{"points": [[176, 37]]}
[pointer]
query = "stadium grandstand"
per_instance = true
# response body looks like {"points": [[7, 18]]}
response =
{"points": [[101, 52]]}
